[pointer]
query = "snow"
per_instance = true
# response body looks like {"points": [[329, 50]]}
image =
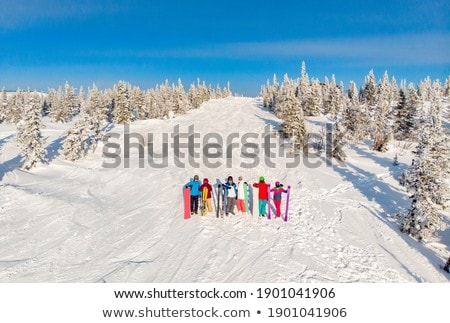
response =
{"points": [[81, 222]]}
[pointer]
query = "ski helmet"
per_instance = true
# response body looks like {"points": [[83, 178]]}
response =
{"points": [[261, 178], [277, 183]]}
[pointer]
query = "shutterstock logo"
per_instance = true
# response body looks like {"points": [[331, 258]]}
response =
{"points": [[213, 150]]}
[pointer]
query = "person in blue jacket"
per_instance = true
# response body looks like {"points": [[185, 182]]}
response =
{"points": [[231, 194], [194, 185]]}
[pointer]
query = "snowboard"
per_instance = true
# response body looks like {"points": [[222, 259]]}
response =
{"points": [[246, 191], [255, 210], [204, 197], [287, 204], [187, 203], [268, 202], [225, 196]]}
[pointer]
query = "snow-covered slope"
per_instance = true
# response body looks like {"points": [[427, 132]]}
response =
{"points": [[81, 222]]}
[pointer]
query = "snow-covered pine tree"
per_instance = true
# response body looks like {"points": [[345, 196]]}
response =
{"points": [[293, 125], [355, 119], [447, 87], [383, 130], [425, 89], [194, 96], [304, 91], [180, 99], [82, 99], [219, 94], [394, 90], [332, 100], [428, 175], [416, 113], [266, 95], [122, 109], [15, 105], [339, 141], [58, 110], [70, 102], [150, 105], [95, 105], [29, 137], [3, 105], [370, 90], [316, 98], [403, 120], [274, 92], [227, 91], [137, 103], [75, 142]]}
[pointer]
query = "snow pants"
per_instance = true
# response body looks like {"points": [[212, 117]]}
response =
{"points": [[231, 201], [262, 207], [241, 205], [194, 204], [278, 207], [209, 205]]}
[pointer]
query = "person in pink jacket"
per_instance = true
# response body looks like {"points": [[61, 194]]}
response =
{"points": [[277, 191]]}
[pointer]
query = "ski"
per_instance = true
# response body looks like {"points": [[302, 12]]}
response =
{"points": [[268, 202], [287, 204], [218, 201], [204, 197], [187, 203], [246, 202], [225, 195]]}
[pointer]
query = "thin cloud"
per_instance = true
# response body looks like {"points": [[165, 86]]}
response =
{"points": [[420, 49], [19, 13]]}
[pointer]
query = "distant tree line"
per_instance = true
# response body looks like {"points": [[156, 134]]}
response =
{"points": [[93, 110], [380, 112]]}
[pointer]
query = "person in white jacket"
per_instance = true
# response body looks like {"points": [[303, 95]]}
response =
{"points": [[241, 187]]}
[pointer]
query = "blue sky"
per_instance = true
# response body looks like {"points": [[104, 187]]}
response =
{"points": [[46, 43]]}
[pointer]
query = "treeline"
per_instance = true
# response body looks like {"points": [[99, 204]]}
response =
{"points": [[93, 110], [380, 112]]}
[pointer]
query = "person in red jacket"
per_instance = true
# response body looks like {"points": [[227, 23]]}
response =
{"points": [[208, 196], [263, 196]]}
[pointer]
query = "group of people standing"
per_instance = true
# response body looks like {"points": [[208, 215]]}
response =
{"points": [[236, 195]]}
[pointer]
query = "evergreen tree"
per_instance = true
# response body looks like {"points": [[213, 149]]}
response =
{"points": [[425, 89], [382, 123], [29, 137], [404, 122], [370, 89], [447, 87], [293, 125], [3, 106], [316, 98], [122, 110], [75, 142], [428, 175], [137, 103], [180, 98], [394, 90], [96, 106], [70, 102], [414, 106], [332, 101], [355, 119]]}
